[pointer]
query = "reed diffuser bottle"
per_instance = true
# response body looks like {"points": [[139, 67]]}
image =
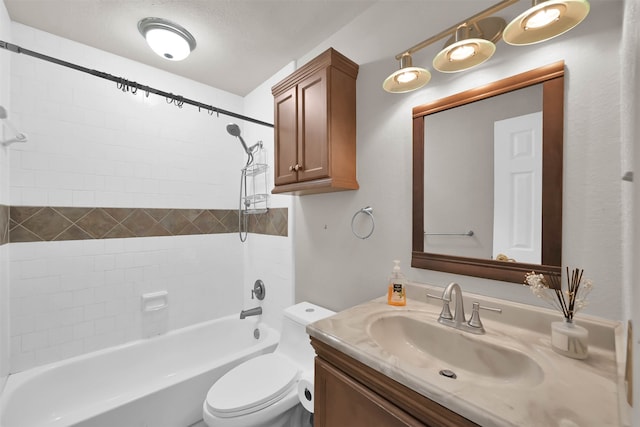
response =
{"points": [[567, 338]]}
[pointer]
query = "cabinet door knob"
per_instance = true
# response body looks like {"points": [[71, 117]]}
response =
{"points": [[290, 168], [297, 167]]}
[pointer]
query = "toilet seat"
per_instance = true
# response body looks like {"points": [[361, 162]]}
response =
{"points": [[252, 385]]}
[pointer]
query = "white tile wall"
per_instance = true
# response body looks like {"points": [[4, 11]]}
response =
{"points": [[69, 298], [93, 145], [266, 257], [4, 314], [5, 34]]}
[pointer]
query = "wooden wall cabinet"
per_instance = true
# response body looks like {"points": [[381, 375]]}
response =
{"points": [[349, 393], [315, 127]]}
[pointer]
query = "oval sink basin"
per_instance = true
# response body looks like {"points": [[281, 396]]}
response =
{"points": [[424, 343]]}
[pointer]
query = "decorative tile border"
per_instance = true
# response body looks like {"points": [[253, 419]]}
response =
{"points": [[45, 223], [4, 225]]}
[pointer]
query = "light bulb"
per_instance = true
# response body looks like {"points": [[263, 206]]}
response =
{"points": [[462, 52], [406, 77], [544, 21], [542, 18]]}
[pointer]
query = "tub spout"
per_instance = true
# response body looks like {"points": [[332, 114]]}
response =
{"points": [[251, 312]]}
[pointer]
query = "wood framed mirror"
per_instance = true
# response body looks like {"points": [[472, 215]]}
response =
{"points": [[550, 79]]}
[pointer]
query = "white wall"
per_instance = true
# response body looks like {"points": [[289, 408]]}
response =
{"points": [[5, 34], [630, 64], [93, 145], [338, 270], [268, 258]]}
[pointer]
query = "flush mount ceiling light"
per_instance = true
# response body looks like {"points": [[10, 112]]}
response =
{"points": [[167, 39], [545, 20], [472, 41], [466, 49], [407, 78]]}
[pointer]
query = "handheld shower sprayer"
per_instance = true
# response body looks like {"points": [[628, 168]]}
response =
{"points": [[234, 130], [250, 200]]}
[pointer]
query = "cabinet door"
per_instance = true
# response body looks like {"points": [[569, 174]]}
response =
{"points": [[341, 401], [313, 142], [286, 130]]}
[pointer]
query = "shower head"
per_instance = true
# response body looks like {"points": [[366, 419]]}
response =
{"points": [[234, 130]]}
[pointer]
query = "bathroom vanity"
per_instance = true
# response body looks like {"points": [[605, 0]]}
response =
{"points": [[351, 393], [397, 366]]}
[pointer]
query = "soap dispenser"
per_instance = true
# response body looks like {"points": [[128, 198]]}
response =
{"points": [[397, 283]]}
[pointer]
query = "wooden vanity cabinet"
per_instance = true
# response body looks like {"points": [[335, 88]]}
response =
{"points": [[349, 393], [315, 127]]}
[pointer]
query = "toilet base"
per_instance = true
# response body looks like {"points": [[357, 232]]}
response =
{"points": [[287, 412]]}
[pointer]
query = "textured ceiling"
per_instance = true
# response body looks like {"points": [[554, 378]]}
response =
{"points": [[240, 43]]}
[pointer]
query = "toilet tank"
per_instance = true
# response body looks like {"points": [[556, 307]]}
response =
{"points": [[294, 340]]}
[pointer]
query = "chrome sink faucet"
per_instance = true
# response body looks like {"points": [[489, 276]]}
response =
{"points": [[459, 320]]}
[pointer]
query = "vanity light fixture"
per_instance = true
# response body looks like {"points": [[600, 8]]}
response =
{"points": [[545, 20], [407, 78], [167, 39], [472, 41], [466, 49], [452, 58]]}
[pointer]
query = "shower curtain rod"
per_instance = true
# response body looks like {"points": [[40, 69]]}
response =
{"points": [[131, 86]]}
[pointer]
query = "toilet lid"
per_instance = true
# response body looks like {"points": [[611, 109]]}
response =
{"points": [[252, 385]]}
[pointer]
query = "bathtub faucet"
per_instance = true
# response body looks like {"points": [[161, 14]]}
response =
{"points": [[251, 312]]}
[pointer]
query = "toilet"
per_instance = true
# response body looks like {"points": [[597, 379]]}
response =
{"points": [[263, 391]]}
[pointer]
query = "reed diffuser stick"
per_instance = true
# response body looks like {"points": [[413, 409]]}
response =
{"points": [[569, 301]]}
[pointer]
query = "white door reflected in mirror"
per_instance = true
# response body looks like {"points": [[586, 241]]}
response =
{"points": [[517, 200]]}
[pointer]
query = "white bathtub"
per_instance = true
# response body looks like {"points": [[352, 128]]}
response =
{"points": [[155, 382]]}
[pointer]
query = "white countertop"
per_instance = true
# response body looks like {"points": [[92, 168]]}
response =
{"points": [[571, 393]]}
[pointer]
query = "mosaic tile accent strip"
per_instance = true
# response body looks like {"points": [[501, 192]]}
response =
{"points": [[275, 223], [4, 225], [45, 223]]}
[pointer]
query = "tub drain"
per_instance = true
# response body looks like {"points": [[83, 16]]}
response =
{"points": [[256, 333], [449, 374]]}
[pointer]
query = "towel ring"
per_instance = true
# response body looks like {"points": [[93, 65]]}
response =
{"points": [[369, 211]]}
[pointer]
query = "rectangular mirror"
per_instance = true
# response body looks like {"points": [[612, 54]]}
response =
{"points": [[487, 178]]}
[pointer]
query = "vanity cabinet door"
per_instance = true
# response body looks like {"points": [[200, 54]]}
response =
{"points": [[349, 393], [341, 401]]}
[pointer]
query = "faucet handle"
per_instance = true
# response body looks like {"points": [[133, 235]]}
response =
{"points": [[258, 290], [434, 296], [475, 321], [446, 311]]}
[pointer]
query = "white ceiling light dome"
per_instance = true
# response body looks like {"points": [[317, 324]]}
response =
{"points": [[167, 39]]}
